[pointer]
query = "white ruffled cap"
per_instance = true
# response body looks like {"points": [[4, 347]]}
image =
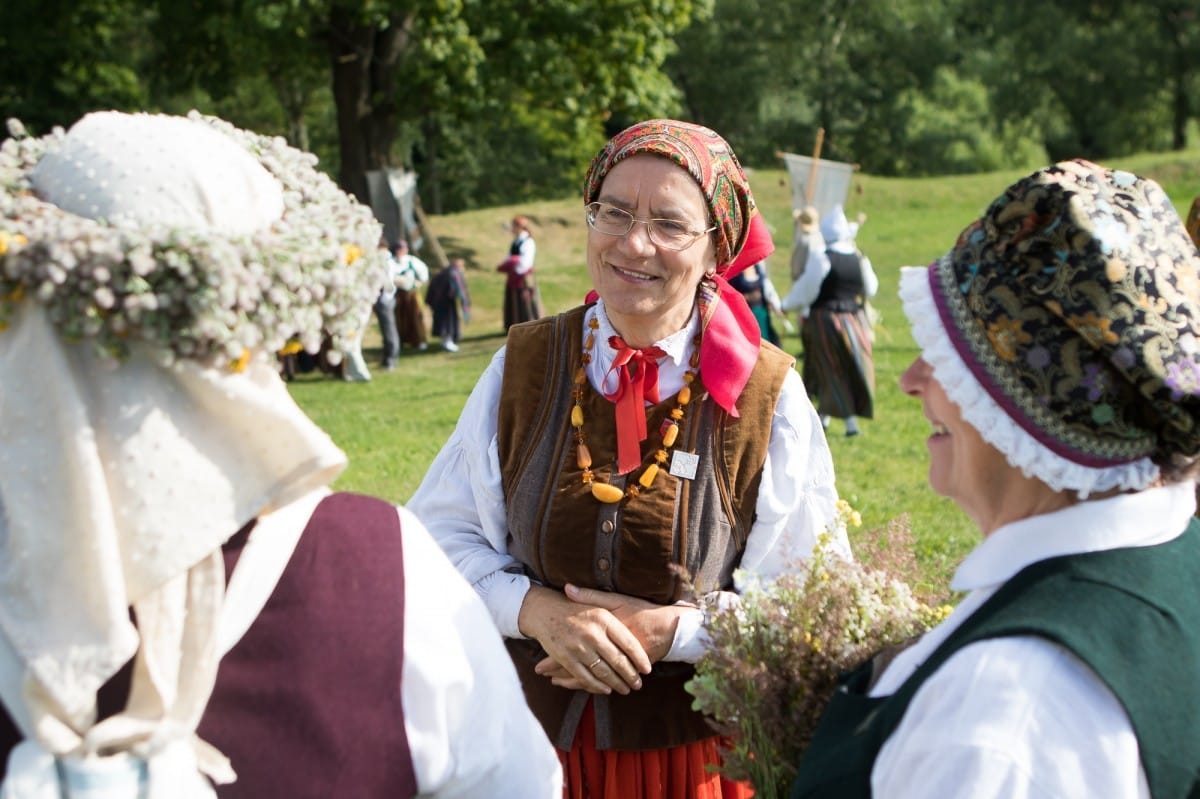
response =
{"points": [[91, 175], [982, 412]]}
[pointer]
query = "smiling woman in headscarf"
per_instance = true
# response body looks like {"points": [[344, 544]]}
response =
{"points": [[615, 450]]}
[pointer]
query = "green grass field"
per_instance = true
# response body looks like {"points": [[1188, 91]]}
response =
{"points": [[393, 426]]}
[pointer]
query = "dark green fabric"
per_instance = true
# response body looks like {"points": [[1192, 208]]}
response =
{"points": [[1132, 615]]}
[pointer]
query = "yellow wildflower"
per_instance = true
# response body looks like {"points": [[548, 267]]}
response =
{"points": [[240, 364]]}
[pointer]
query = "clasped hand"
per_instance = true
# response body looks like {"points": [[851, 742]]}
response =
{"points": [[597, 641]]}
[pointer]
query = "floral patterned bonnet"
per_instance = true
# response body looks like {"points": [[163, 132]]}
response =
{"points": [[1065, 323]]}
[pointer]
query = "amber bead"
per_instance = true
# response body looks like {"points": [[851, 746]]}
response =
{"points": [[677, 414], [606, 493], [577, 416], [648, 476], [661, 456], [669, 435], [583, 456], [685, 396]]}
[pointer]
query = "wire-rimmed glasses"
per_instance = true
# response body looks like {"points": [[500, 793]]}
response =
{"points": [[670, 234]]}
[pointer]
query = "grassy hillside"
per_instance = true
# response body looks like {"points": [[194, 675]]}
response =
{"points": [[393, 426]]}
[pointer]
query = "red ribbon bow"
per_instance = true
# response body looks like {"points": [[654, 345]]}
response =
{"points": [[637, 371]]}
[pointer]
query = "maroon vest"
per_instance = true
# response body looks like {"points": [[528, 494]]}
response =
{"points": [[308, 703]]}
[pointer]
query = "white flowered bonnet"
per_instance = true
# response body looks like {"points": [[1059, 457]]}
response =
{"points": [[150, 267]]}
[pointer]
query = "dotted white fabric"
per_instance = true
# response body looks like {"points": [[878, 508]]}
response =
{"points": [[145, 169], [120, 482]]}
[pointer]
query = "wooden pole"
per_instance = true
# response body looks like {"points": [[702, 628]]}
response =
{"points": [[427, 234], [811, 186]]}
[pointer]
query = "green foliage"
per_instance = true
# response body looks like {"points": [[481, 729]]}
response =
{"points": [[949, 130], [63, 58], [495, 102], [1097, 78], [897, 86]]}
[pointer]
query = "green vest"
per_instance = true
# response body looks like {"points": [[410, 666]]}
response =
{"points": [[1132, 615]]}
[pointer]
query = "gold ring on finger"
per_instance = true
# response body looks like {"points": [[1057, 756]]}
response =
{"points": [[595, 663]]}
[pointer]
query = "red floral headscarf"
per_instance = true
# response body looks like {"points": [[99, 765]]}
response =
{"points": [[729, 346]]}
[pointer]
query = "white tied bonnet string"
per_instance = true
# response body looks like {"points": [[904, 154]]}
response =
{"points": [[120, 482]]}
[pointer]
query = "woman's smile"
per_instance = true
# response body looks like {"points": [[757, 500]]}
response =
{"points": [[632, 275]]}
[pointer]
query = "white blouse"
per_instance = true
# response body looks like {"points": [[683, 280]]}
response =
{"points": [[461, 500], [1021, 717]]}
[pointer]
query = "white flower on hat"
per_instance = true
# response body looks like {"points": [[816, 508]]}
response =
{"points": [[264, 255]]}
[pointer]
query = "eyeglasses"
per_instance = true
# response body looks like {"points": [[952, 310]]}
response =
{"points": [[670, 234]]}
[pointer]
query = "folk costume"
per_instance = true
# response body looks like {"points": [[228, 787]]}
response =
{"points": [[1063, 326], [839, 366], [755, 285], [186, 610], [746, 483], [411, 276], [450, 303], [522, 300]]}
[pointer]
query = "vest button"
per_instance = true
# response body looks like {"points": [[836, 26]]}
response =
{"points": [[602, 563], [607, 526]]}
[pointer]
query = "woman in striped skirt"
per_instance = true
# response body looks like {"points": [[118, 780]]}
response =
{"points": [[837, 282]]}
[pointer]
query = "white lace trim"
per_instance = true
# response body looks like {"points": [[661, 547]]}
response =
{"points": [[983, 413]]}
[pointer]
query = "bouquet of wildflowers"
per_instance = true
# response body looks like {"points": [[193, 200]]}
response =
{"points": [[776, 656]]}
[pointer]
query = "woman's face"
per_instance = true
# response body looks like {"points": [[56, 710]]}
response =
{"points": [[969, 470], [648, 291]]}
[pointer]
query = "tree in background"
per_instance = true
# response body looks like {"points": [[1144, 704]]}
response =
{"points": [[499, 102], [1100, 79], [917, 87], [61, 57], [769, 73]]}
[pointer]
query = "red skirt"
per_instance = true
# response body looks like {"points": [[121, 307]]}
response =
{"points": [[680, 772]]}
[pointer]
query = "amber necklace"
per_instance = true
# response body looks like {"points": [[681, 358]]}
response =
{"points": [[606, 492]]}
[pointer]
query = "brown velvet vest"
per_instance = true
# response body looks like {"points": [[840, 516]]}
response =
{"points": [[562, 534]]}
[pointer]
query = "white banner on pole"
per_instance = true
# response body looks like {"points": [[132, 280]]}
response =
{"points": [[831, 182]]}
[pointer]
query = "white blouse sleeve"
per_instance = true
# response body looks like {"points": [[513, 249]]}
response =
{"points": [[806, 289], [870, 279], [797, 501], [528, 252], [461, 502], [470, 732]]}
